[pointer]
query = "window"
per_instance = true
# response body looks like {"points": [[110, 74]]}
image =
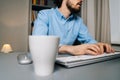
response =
{"points": [[115, 21]]}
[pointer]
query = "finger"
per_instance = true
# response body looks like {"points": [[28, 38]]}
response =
{"points": [[108, 48], [95, 48], [91, 52], [101, 47], [113, 50]]}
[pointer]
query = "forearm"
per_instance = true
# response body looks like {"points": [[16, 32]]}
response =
{"points": [[65, 49]]}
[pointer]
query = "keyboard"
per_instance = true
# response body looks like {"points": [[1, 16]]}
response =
{"points": [[73, 61]]}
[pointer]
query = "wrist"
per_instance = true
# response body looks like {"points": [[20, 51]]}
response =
{"points": [[65, 49]]}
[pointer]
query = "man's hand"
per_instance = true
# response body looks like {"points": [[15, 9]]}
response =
{"points": [[92, 49], [104, 47]]}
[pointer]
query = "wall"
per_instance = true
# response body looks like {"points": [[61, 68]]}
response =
{"points": [[14, 22], [115, 21]]}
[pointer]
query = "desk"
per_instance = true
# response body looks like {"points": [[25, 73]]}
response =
{"points": [[11, 70]]}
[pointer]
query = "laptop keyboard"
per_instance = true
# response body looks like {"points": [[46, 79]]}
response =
{"points": [[82, 57]]}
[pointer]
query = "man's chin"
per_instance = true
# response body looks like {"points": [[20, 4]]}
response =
{"points": [[76, 11]]}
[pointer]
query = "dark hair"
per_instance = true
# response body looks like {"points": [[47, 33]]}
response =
{"points": [[58, 3]]}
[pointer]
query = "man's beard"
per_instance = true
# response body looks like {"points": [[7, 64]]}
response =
{"points": [[72, 10]]}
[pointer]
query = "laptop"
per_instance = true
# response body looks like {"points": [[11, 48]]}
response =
{"points": [[70, 61]]}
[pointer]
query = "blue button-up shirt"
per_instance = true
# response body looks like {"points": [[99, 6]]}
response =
{"points": [[53, 22]]}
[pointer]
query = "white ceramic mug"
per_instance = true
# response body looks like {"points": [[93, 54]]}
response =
{"points": [[43, 50]]}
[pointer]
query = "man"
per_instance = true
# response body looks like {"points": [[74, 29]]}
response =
{"points": [[65, 23]]}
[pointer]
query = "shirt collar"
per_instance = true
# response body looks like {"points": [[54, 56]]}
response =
{"points": [[60, 15]]}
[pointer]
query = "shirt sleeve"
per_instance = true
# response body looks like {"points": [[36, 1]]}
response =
{"points": [[83, 35], [41, 24]]}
